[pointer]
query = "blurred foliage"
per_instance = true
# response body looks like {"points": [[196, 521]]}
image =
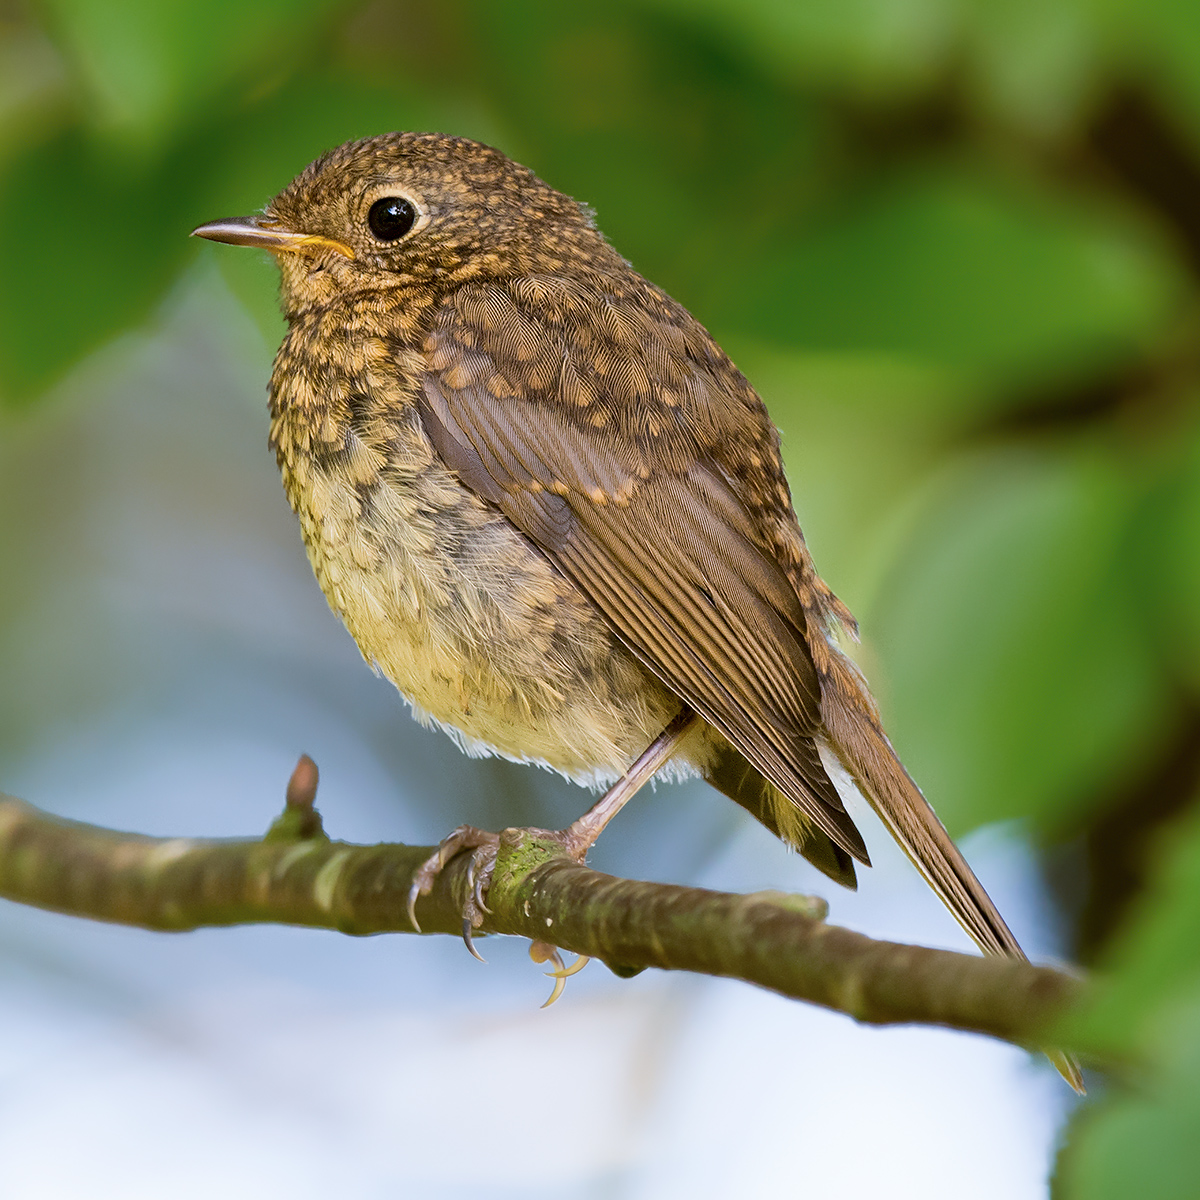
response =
{"points": [[956, 243]]}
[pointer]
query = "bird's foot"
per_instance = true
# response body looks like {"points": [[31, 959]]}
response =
{"points": [[575, 840], [483, 846]]}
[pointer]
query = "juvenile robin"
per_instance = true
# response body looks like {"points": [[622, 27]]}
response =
{"points": [[552, 511]]}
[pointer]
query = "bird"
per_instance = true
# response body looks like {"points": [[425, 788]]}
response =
{"points": [[552, 511]]}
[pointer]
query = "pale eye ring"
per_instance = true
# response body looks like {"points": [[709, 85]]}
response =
{"points": [[391, 217]]}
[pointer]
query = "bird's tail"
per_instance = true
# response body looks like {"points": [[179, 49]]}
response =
{"points": [[857, 738]]}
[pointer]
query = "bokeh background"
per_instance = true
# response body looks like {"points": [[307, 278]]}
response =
{"points": [[956, 245]]}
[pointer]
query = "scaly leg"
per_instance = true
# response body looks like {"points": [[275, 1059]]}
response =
{"points": [[579, 837]]}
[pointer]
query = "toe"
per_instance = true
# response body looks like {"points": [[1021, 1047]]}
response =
{"points": [[465, 837]]}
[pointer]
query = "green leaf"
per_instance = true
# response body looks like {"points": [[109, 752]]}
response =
{"points": [[1032, 64], [150, 66], [1151, 970], [1013, 661], [867, 46], [89, 246], [1172, 538], [1160, 41], [963, 269], [1142, 1142], [1144, 1008], [693, 160]]}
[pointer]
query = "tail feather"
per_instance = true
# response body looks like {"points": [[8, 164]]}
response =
{"points": [[864, 750], [868, 755], [852, 725]]}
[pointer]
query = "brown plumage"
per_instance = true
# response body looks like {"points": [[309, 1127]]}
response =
{"points": [[549, 507]]}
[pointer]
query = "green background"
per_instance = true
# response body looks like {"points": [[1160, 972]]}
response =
{"points": [[955, 244]]}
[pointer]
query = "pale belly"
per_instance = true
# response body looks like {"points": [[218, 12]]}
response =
{"points": [[479, 632]]}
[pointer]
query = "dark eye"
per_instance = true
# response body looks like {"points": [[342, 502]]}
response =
{"points": [[391, 218]]}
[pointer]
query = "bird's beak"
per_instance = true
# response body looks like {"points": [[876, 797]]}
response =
{"points": [[266, 233]]}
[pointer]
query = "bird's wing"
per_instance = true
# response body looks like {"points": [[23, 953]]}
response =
{"points": [[617, 437]]}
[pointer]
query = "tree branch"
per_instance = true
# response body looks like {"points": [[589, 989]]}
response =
{"points": [[296, 875]]}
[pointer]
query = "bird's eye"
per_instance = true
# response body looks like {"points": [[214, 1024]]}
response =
{"points": [[391, 218]]}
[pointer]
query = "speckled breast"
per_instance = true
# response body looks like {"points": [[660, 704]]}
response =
{"points": [[442, 594]]}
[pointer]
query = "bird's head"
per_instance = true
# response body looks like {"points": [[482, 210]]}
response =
{"points": [[413, 209]]}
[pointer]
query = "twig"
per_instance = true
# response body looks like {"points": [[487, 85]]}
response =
{"points": [[296, 875]]}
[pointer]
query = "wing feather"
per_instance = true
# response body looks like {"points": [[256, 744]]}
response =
{"points": [[638, 510]]}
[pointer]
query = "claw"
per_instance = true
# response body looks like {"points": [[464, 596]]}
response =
{"points": [[413, 893], [469, 941], [566, 972], [559, 987], [542, 952]]}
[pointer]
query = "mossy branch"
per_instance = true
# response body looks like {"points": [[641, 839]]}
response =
{"points": [[296, 875]]}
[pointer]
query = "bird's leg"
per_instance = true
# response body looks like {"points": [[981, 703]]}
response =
{"points": [[575, 840]]}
